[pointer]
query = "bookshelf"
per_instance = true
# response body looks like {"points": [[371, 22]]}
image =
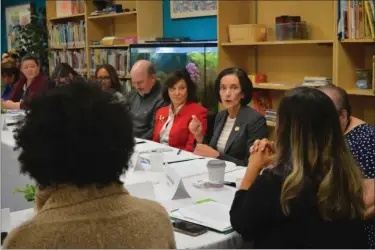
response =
{"points": [[286, 63], [144, 21]]}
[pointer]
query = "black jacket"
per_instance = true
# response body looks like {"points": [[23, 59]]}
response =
{"points": [[249, 126], [256, 214], [143, 109]]}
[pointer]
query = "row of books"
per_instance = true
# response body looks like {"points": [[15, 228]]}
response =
{"points": [[271, 115], [118, 58], [71, 34], [356, 19], [76, 59]]}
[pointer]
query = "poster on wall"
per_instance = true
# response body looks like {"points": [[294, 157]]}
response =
{"points": [[185, 9], [16, 15]]}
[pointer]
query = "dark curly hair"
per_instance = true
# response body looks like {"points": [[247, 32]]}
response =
{"points": [[76, 134], [245, 82], [175, 77]]}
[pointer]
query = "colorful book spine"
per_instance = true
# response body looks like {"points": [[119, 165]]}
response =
{"points": [[71, 34]]}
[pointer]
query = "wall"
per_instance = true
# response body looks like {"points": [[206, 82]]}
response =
{"points": [[201, 28], [6, 3]]}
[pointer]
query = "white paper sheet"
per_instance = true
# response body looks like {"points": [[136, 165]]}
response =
{"points": [[210, 214]]}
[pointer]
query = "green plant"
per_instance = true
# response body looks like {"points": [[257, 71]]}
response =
{"points": [[207, 64], [32, 38], [29, 192]]}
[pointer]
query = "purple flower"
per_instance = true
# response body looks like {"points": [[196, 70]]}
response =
{"points": [[193, 72]]}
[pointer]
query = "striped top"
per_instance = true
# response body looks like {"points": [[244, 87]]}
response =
{"points": [[225, 134]]}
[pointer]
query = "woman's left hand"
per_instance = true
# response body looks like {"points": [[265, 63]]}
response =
{"points": [[206, 151], [261, 159]]}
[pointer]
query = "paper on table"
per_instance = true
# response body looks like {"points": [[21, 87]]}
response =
{"points": [[233, 176], [196, 167], [143, 190], [172, 155], [5, 220], [210, 214]]}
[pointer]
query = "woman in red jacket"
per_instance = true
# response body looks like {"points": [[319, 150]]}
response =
{"points": [[32, 82], [172, 122]]}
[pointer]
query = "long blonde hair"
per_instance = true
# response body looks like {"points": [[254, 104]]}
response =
{"points": [[312, 151]]}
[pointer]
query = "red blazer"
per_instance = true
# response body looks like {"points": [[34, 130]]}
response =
{"points": [[180, 136], [37, 85]]}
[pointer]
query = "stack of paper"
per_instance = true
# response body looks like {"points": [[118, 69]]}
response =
{"points": [[209, 214]]}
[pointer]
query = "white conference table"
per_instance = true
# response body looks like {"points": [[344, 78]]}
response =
{"points": [[135, 181]]}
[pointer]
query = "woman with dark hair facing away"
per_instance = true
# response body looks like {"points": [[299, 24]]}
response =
{"points": [[63, 74], [172, 122], [27, 87], [312, 196], [106, 76], [236, 127], [75, 141], [10, 75]]}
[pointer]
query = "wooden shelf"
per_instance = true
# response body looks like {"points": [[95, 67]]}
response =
{"points": [[67, 18], [67, 48], [113, 15], [144, 24], [358, 40], [322, 55], [363, 92], [125, 77], [109, 46], [275, 86], [279, 42], [271, 124]]}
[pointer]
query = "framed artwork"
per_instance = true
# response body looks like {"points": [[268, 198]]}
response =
{"points": [[16, 15], [185, 9]]}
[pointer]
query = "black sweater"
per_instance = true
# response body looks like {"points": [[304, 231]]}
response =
{"points": [[256, 214]]}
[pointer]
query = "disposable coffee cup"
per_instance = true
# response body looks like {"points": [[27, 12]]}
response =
{"points": [[216, 173]]}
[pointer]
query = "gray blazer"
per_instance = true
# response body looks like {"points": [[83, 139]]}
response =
{"points": [[249, 126]]}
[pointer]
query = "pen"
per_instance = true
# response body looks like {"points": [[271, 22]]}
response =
{"points": [[140, 142], [179, 151], [171, 162]]}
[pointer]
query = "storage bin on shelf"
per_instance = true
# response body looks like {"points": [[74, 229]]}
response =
{"points": [[247, 33]]}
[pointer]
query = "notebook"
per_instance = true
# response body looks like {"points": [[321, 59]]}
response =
{"points": [[212, 215]]}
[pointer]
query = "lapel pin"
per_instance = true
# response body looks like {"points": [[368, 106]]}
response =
{"points": [[161, 118], [236, 128]]}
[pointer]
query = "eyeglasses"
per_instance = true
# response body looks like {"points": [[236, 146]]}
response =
{"points": [[103, 79]]}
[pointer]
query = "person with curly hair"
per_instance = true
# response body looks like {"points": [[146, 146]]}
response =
{"points": [[76, 141]]}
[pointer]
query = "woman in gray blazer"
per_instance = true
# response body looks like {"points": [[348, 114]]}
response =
{"points": [[236, 127]]}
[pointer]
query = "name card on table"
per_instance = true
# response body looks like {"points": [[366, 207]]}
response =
{"points": [[175, 186], [4, 125], [137, 162], [156, 162]]}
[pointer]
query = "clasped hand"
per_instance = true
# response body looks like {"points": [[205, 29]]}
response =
{"points": [[262, 154]]}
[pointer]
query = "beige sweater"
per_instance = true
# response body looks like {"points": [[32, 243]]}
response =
{"points": [[74, 218]]}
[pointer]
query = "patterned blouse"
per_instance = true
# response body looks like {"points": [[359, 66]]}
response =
{"points": [[361, 141]]}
